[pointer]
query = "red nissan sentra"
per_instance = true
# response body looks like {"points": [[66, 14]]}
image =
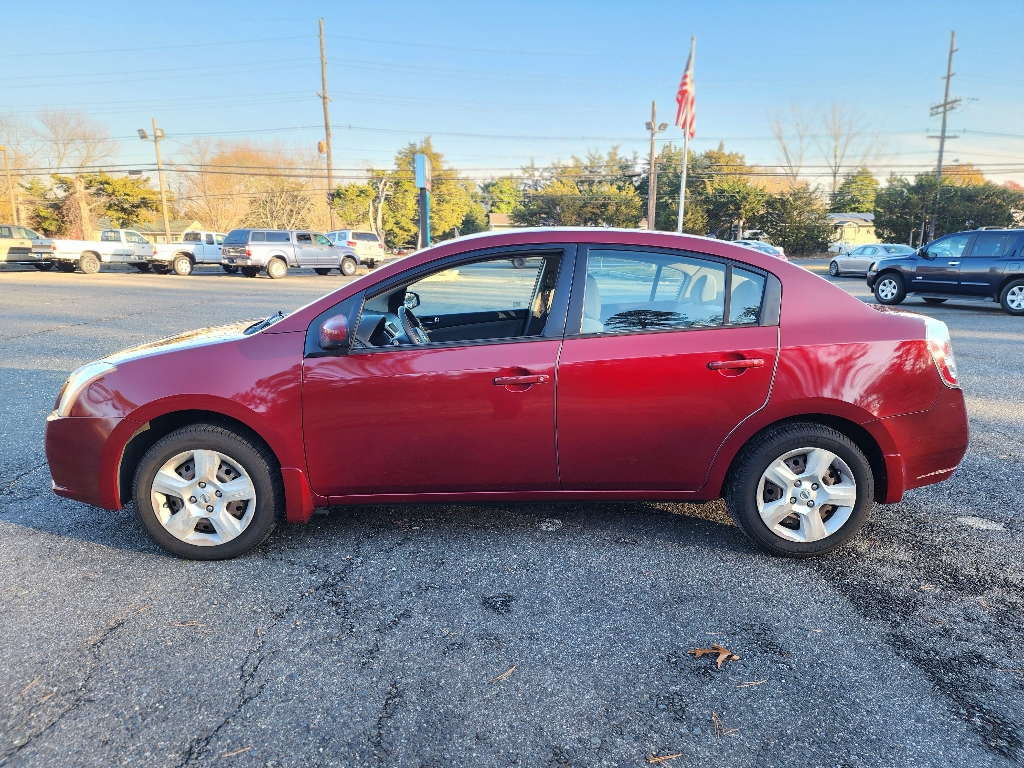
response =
{"points": [[533, 365]]}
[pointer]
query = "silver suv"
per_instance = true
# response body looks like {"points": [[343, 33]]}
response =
{"points": [[366, 244], [273, 251]]}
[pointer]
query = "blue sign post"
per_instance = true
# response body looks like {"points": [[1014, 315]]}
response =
{"points": [[423, 174]]}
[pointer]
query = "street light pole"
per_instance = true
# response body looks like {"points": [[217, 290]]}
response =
{"points": [[158, 134], [10, 186], [652, 186], [327, 124]]}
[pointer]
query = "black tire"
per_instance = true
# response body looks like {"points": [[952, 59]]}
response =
{"points": [[250, 271], [930, 300], [88, 263], [182, 265], [519, 263], [142, 267], [66, 266], [45, 267], [889, 289], [161, 269], [231, 269], [276, 269], [764, 449], [322, 271], [255, 458], [833, 269], [348, 266], [1011, 298]]}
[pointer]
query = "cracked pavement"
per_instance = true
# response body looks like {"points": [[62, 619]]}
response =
{"points": [[505, 634]]}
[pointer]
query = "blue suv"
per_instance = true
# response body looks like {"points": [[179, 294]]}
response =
{"points": [[980, 264]]}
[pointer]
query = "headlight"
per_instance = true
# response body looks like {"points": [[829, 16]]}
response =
{"points": [[77, 382]]}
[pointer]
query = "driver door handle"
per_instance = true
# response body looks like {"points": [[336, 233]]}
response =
{"points": [[501, 381], [952, 263], [719, 365]]}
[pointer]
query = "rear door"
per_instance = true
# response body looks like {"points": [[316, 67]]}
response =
{"points": [[982, 268], [306, 252], [939, 270], [658, 370]]}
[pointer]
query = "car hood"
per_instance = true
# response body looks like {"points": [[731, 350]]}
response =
{"points": [[196, 338]]}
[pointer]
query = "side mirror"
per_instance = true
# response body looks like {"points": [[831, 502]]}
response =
{"points": [[334, 332], [412, 300], [923, 253]]}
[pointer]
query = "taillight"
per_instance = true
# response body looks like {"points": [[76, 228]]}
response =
{"points": [[248, 252], [53, 247], [936, 334], [350, 243], [381, 246]]}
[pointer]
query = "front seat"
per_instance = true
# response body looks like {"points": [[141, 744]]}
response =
{"points": [[703, 303], [592, 307]]}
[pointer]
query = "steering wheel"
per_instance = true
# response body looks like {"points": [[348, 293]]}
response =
{"points": [[411, 326]]}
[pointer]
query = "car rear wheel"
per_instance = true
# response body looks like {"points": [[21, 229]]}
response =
{"points": [[205, 492], [348, 266], [250, 271], [931, 300], [231, 269], [46, 267], [799, 490], [889, 289], [276, 269], [89, 264], [1012, 297], [833, 269], [66, 266], [519, 263], [322, 271], [182, 265]]}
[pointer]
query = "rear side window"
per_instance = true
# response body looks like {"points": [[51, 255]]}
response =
{"points": [[303, 237], [257, 237], [278, 237], [209, 239], [108, 237], [237, 237], [992, 245], [190, 237], [745, 297]]}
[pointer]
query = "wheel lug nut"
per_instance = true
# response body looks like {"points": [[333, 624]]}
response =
{"points": [[191, 499], [202, 485], [798, 483], [792, 499], [814, 486], [810, 503], [209, 509], [218, 494]]}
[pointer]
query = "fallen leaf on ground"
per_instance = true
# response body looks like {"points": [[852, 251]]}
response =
{"points": [[505, 675], [663, 758], [751, 685], [720, 730], [236, 752], [724, 654]]}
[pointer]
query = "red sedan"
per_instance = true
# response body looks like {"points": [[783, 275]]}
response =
{"points": [[549, 364]]}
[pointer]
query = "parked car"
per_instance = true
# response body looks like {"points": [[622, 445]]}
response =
{"points": [[985, 264], [446, 373], [366, 244], [16, 247], [273, 251], [181, 258], [861, 258], [114, 246], [763, 247]]}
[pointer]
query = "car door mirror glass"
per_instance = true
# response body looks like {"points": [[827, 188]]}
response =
{"points": [[334, 333], [412, 300]]}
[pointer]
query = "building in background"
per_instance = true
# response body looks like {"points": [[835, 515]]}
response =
{"points": [[851, 230]]}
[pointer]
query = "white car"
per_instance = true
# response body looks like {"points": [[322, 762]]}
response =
{"points": [[760, 245], [365, 243], [860, 259]]}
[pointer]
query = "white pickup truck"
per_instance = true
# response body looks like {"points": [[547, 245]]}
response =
{"points": [[115, 246], [195, 248]]}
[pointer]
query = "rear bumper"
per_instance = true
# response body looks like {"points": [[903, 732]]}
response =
{"points": [[930, 444], [82, 463]]}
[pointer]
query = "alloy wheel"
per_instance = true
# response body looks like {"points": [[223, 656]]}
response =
{"points": [[887, 289], [806, 494], [1015, 298], [203, 497]]}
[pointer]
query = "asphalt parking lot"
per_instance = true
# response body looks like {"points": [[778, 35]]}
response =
{"points": [[503, 635]]}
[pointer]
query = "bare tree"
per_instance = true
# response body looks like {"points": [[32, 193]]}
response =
{"points": [[790, 132], [845, 144]]}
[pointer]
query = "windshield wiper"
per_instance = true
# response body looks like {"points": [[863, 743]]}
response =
{"points": [[264, 323]]}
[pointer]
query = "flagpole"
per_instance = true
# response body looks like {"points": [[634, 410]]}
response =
{"points": [[686, 157]]}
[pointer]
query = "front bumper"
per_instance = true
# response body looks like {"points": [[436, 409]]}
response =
{"points": [[82, 458]]}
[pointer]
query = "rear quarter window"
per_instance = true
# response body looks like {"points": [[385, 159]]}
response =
{"points": [[278, 237]]}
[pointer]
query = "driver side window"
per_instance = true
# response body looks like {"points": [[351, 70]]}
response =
{"points": [[949, 247]]}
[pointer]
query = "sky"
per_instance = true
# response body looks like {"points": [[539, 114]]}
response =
{"points": [[498, 85]]}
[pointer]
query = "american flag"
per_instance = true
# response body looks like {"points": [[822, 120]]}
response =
{"points": [[685, 113]]}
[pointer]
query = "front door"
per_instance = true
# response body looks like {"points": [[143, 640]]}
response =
{"points": [[660, 373], [306, 252], [982, 268], [939, 270], [471, 409], [324, 252]]}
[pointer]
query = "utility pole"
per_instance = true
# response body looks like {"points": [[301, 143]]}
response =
{"points": [[10, 186], [158, 134], [327, 123], [652, 186], [944, 109]]}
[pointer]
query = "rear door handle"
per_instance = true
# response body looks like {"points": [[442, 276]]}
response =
{"points": [[718, 365], [952, 263], [501, 381]]}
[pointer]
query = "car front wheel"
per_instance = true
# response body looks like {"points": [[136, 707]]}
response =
{"points": [[799, 490], [1012, 297], [205, 492], [833, 269], [889, 289]]}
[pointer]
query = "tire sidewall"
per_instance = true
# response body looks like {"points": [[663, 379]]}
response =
{"points": [[89, 264], [744, 509], [276, 269], [900, 290], [182, 266], [1004, 296], [348, 267], [269, 496], [833, 269]]}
